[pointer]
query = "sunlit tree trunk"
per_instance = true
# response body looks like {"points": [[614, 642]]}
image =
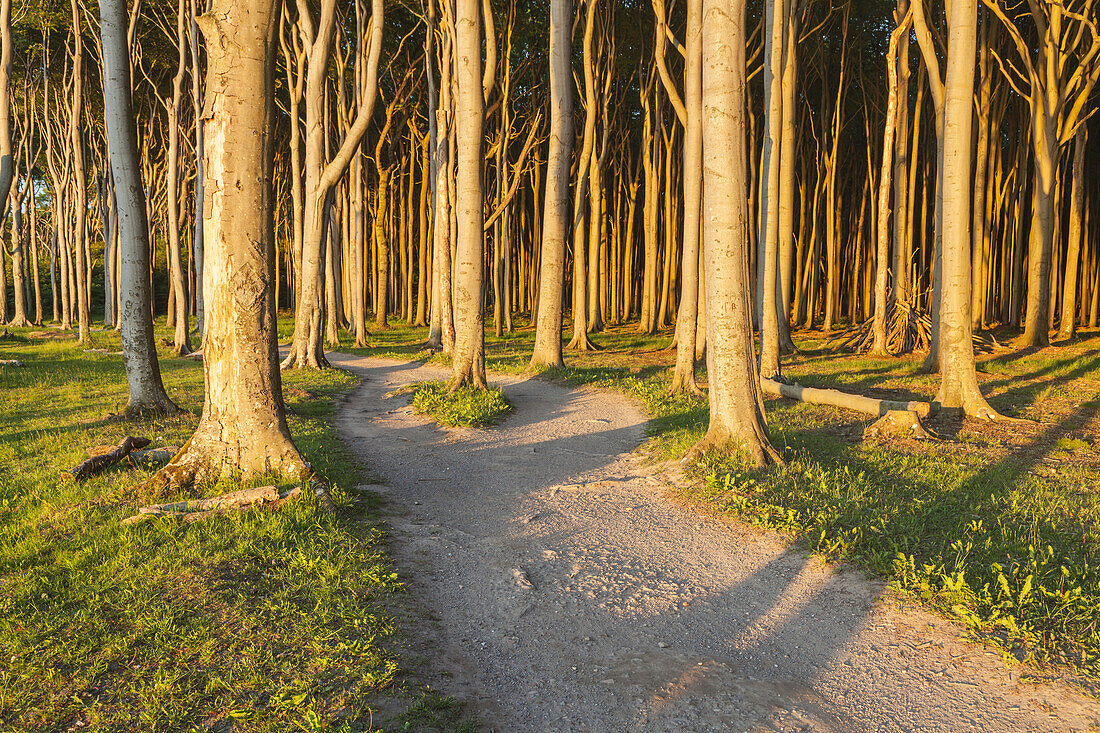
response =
{"points": [[468, 359], [243, 430], [736, 403], [555, 220], [959, 385]]}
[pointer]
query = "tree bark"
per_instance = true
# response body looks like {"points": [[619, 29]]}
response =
{"points": [[139, 353], [959, 382], [468, 359], [547, 351], [736, 403], [243, 429]]}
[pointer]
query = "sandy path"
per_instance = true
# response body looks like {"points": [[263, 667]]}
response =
{"points": [[638, 614]]}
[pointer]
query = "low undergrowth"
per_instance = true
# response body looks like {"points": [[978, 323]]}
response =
{"points": [[259, 620], [468, 406]]}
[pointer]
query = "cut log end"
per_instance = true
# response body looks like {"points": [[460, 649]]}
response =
{"points": [[897, 424]]}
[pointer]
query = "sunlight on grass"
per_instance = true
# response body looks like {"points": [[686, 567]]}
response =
{"points": [[259, 620], [468, 406]]}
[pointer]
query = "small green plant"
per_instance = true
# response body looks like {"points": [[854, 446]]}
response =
{"points": [[468, 406]]}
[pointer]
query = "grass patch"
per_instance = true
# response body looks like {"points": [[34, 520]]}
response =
{"points": [[260, 620], [468, 406]]}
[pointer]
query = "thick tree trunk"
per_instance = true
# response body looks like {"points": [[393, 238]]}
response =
{"points": [[243, 429], [139, 353]]}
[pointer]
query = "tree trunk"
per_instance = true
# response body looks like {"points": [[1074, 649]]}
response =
{"points": [[959, 385], [683, 374], [736, 403], [1068, 326], [181, 341], [547, 351], [468, 359], [139, 353], [243, 428], [882, 256], [80, 197]]}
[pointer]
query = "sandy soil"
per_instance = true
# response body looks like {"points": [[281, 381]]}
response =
{"points": [[561, 588]]}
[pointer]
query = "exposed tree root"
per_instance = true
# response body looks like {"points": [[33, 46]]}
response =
{"points": [[146, 410], [758, 447], [109, 457], [581, 342], [684, 384], [191, 511]]}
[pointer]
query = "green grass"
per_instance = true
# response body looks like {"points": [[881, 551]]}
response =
{"points": [[263, 620], [997, 526], [468, 406]]}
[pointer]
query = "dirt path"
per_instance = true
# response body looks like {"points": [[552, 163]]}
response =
{"points": [[567, 592]]}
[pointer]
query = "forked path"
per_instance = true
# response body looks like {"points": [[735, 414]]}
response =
{"points": [[566, 591]]}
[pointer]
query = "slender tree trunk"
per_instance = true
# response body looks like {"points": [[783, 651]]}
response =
{"points": [[181, 342], [882, 256], [1068, 326], [687, 319], [736, 402], [547, 351], [7, 161], [139, 353], [80, 197]]}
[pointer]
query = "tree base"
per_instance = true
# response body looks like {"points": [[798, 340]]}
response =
{"points": [[718, 440], [581, 342], [147, 410], [205, 460], [304, 360], [684, 384]]}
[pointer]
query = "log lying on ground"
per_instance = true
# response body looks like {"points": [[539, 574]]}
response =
{"points": [[101, 461], [897, 424], [833, 397], [154, 455], [202, 508], [11, 362]]}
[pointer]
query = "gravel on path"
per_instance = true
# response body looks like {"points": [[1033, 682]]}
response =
{"points": [[563, 589]]}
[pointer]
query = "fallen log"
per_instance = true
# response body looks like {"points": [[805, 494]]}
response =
{"points": [[101, 461], [201, 508], [833, 397], [11, 362], [154, 455]]}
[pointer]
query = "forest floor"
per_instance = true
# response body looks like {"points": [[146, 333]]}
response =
{"points": [[995, 528], [561, 585], [995, 525], [261, 620]]}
